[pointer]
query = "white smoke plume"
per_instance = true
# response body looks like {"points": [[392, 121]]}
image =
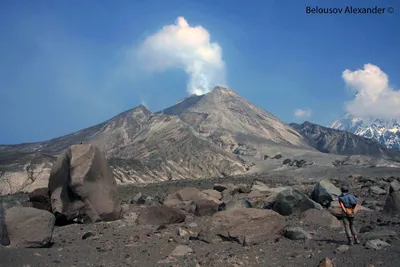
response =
{"points": [[375, 98], [185, 47]]}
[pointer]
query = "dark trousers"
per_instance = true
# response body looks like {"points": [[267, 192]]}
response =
{"points": [[348, 223]]}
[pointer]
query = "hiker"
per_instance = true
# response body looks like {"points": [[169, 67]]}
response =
{"points": [[348, 203]]}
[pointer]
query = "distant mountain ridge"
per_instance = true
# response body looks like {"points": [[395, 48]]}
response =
{"points": [[386, 132], [341, 142]]}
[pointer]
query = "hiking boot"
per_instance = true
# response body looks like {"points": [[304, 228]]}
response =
{"points": [[357, 241], [350, 243]]}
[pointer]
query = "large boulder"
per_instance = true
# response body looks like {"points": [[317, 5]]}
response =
{"points": [[40, 199], [321, 217], [376, 190], [394, 186], [213, 193], [206, 205], [247, 226], [193, 200], [182, 198], [4, 240], [392, 205], [291, 201], [160, 215], [82, 186], [325, 192], [29, 227]]}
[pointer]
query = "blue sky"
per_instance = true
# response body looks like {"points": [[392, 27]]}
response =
{"points": [[64, 64]]}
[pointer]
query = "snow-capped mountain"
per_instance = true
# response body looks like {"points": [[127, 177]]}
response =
{"points": [[386, 132]]}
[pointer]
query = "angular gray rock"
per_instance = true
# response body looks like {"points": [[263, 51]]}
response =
{"points": [[205, 206], [290, 201], [382, 184], [160, 215], [325, 192], [138, 199], [193, 200], [376, 190], [29, 227], [213, 193], [4, 240], [321, 217], [82, 186], [343, 248], [297, 233], [182, 198], [392, 205], [247, 226], [181, 250], [394, 186]]}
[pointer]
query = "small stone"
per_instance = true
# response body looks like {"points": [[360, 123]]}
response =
{"points": [[87, 235], [326, 263], [297, 233], [181, 250], [182, 232], [343, 248]]}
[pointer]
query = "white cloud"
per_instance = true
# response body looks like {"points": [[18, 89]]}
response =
{"points": [[185, 47], [374, 98], [302, 113]]}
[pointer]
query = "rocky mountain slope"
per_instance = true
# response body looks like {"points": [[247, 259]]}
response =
{"points": [[386, 132], [340, 142], [218, 134], [140, 146], [234, 123]]}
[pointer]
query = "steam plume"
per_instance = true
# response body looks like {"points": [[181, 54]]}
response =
{"points": [[185, 47]]}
